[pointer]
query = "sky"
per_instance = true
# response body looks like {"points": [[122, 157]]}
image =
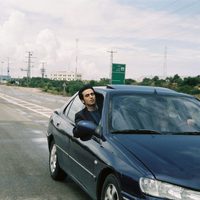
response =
{"points": [[152, 37]]}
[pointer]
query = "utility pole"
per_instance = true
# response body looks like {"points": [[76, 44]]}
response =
{"points": [[28, 70], [30, 54], [2, 62], [76, 68], [43, 70], [8, 68], [111, 62], [165, 63]]}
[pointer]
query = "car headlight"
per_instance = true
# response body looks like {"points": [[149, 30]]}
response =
{"points": [[165, 190]]}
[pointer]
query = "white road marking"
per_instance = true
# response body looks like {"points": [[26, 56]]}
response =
{"points": [[46, 112], [39, 140]]}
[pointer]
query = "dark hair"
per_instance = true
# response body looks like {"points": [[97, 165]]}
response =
{"points": [[85, 87]]}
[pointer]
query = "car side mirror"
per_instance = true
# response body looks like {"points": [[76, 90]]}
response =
{"points": [[84, 129], [57, 111]]}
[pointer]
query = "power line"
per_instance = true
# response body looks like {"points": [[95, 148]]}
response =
{"points": [[180, 34], [185, 6], [155, 20]]}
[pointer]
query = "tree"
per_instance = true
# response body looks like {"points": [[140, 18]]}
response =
{"points": [[130, 81]]}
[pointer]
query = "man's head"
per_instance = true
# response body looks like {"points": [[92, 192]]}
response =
{"points": [[87, 96]]}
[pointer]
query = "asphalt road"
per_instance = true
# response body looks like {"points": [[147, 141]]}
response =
{"points": [[24, 173]]}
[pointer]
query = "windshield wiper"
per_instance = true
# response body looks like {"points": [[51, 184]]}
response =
{"points": [[136, 131]]}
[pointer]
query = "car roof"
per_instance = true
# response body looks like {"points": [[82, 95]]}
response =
{"points": [[137, 88]]}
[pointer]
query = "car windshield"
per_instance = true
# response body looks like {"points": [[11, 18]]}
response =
{"points": [[154, 114]]}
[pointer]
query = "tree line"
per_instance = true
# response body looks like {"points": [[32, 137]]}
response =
{"points": [[189, 85]]}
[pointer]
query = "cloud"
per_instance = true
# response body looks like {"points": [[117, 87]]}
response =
{"points": [[12, 32], [47, 45], [50, 28]]}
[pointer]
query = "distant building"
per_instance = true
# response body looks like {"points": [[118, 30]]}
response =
{"points": [[65, 76], [4, 78]]}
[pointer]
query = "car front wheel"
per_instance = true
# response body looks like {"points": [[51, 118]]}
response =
{"points": [[55, 171], [111, 189]]}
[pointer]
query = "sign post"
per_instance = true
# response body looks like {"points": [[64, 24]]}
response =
{"points": [[64, 89], [118, 73]]}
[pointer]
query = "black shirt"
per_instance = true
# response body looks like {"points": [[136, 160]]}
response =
{"points": [[84, 114]]}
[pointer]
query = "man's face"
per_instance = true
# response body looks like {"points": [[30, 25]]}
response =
{"points": [[89, 98]]}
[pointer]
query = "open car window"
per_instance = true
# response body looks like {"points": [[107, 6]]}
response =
{"points": [[76, 105], [73, 107]]}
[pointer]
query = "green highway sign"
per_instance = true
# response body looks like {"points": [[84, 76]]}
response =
{"points": [[118, 73]]}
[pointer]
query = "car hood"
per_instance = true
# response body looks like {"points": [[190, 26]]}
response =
{"points": [[170, 158]]}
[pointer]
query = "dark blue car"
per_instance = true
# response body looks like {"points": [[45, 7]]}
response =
{"points": [[146, 146]]}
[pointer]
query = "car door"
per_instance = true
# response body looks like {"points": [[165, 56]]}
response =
{"points": [[84, 161], [68, 119], [61, 139], [63, 124]]}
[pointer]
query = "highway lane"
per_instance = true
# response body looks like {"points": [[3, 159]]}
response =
{"points": [[34, 95], [24, 155]]}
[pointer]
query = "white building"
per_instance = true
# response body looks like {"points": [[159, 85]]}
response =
{"points": [[65, 76]]}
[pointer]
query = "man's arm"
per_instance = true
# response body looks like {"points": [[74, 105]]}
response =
{"points": [[78, 117]]}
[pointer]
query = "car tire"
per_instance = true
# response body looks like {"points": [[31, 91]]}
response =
{"points": [[111, 189], [55, 171]]}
